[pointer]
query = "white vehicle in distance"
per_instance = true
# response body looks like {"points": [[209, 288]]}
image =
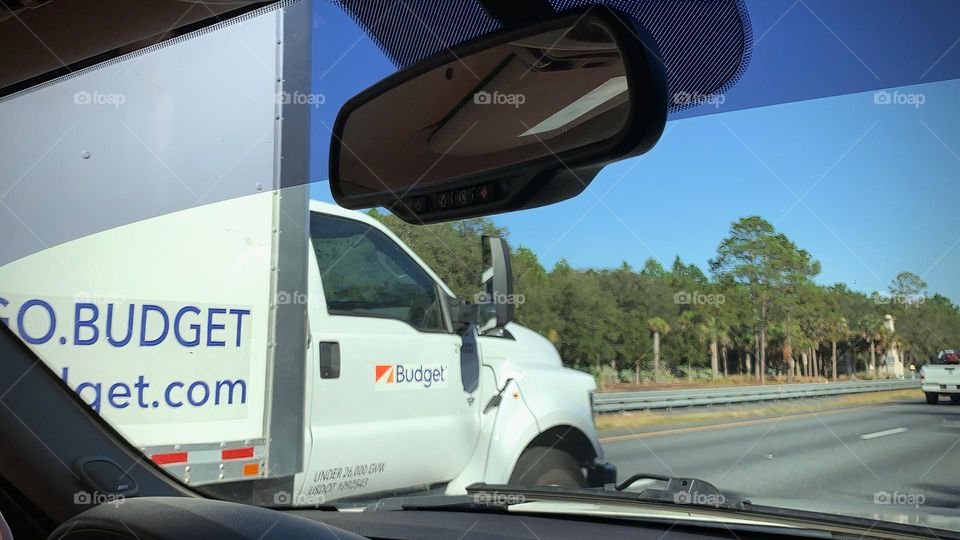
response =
{"points": [[942, 377]]}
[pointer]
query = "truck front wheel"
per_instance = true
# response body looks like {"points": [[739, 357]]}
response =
{"points": [[932, 398], [545, 466]]}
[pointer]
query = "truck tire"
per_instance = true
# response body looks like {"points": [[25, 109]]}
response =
{"points": [[545, 466], [932, 398]]}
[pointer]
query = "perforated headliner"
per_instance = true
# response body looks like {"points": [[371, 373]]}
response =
{"points": [[705, 44]]}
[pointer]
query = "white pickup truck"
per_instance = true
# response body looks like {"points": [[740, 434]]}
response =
{"points": [[942, 377], [252, 341]]}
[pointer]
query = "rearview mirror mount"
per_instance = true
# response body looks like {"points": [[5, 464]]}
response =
{"points": [[516, 119]]}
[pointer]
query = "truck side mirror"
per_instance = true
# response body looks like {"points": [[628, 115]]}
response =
{"points": [[497, 299]]}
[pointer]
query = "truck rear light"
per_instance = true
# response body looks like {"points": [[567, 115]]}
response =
{"points": [[237, 453], [169, 458]]}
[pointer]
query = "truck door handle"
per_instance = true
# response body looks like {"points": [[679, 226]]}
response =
{"points": [[329, 360]]}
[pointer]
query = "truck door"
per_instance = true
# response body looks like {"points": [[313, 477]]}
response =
{"points": [[389, 410]]}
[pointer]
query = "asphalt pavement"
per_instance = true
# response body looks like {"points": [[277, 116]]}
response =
{"points": [[906, 451]]}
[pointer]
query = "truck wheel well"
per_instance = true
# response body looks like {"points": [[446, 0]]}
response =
{"points": [[569, 439]]}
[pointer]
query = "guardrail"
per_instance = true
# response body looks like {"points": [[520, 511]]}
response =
{"points": [[608, 402]]}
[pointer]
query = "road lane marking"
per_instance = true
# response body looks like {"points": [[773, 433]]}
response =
{"points": [[711, 427], [883, 433]]}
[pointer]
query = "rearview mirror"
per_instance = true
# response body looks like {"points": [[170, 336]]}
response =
{"points": [[515, 119], [497, 301]]}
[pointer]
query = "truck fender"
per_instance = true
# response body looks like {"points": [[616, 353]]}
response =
{"points": [[566, 424], [560, 401]]}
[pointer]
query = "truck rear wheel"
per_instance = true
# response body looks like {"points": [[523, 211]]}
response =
{"points": [[932, 398], [545, 466]]}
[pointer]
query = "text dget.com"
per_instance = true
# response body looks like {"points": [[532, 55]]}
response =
{"points": [[120, 395]]}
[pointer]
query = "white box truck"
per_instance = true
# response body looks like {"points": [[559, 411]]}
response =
{"points": [[248, 339]]}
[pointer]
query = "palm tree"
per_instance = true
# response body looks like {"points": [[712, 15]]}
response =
{"points": [[803, 343], [838, 330], [819, 328], [659, 327], [869, 327], [906, 350], [712, 332], [787, 348], [747, 345], [725, 343], [687, 323]]}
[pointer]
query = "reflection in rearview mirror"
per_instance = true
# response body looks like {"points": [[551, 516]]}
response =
{"points": [[512, 103], [466, 133]]}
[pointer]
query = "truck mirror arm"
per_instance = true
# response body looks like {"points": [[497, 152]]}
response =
{"points": [[463, 314]]}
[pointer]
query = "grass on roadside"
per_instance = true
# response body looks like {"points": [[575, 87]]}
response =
{"points": [[639, 419]]}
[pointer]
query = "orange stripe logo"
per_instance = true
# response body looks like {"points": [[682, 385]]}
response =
{"points": [[384, 373]]}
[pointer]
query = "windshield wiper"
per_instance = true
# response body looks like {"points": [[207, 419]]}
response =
{"points": [[474, 502], [480, 496], [679, 491], [684, 495], [689, 491], [493, 497]]}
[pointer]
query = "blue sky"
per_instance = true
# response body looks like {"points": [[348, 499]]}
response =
{"points": [[869, 209], [870, 190]]}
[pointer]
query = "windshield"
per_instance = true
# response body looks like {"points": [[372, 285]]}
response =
{"points": [[750, 304]]}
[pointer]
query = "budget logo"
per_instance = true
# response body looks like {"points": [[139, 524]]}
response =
{"points": [[409, 377], [385, 374]]}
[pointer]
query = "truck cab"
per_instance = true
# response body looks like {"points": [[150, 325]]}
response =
{"points": [[401, 396]]}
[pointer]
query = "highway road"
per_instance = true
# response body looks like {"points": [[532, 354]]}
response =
{"points": [[909, 448]]}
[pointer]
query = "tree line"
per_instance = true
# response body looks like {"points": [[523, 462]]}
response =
{"points": [[756, 312]]}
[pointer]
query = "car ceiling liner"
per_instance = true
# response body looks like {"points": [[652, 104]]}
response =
{"points": [[705, 45]]}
